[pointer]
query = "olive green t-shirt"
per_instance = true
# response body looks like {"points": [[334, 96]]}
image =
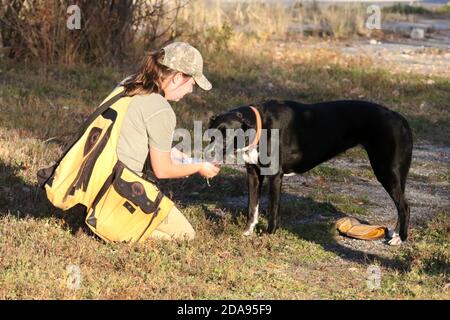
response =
{"points": [[149, 122]]}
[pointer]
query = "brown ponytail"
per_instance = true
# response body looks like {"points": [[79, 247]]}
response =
{"points": [[149, 77]]}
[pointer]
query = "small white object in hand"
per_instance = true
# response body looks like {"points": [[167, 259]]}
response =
{"points": [[191, 160], [195, 160]]}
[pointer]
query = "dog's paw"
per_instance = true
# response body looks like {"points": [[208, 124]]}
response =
{"points": [[396, 241], [395, 238], [247, 233]]}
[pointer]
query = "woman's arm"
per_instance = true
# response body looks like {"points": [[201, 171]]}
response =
{"points": [[164, 168]]}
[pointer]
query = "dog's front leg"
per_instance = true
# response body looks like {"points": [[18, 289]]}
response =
{"points": [[254, 181], [274, 201]]}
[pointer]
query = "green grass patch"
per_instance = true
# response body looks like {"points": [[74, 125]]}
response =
{"points": [[427, 262], [356, 153], [347, 204], [335, 174], [430, 252], [305, 207]]}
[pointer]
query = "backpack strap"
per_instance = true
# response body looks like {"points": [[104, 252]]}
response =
{"points": [[45, 174], [102, 108]]}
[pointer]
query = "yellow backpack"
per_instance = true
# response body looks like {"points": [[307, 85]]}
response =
{"points": [[121, 205]]}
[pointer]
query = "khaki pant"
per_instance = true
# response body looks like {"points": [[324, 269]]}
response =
{"points": [[174, 226]]}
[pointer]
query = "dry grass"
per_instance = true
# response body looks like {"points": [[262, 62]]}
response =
{"points": [[274, 20], [263, 20]]}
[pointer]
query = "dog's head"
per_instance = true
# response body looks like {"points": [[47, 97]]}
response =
{"points": [[230, 120], [229, 132]]}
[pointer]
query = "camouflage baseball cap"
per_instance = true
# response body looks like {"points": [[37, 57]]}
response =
{"points": [[183, 57]]}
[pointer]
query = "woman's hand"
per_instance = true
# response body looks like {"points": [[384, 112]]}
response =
{"points": [[164, 168], [208, 170]]}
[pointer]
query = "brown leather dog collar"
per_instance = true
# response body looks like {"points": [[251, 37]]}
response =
{"points": [[258, 130], [258, 127]]}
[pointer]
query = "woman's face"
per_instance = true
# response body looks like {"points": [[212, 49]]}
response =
{"points": [[176, 86]]}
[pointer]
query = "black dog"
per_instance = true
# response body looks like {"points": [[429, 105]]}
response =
{"points": [[310, 134]]}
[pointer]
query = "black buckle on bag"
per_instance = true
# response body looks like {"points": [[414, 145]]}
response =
{"points": [[129, 207], [135, 193]]}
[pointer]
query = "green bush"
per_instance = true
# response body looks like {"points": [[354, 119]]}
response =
{"points": [[406, 9]]}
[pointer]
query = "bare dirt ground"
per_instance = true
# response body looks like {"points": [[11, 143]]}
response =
{"points": [[407, 55], [396, 50]]}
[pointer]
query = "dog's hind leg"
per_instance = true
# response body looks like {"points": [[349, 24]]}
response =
{"points": [[391, 166], [393, 187], [275, 182], [254, 181]]}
